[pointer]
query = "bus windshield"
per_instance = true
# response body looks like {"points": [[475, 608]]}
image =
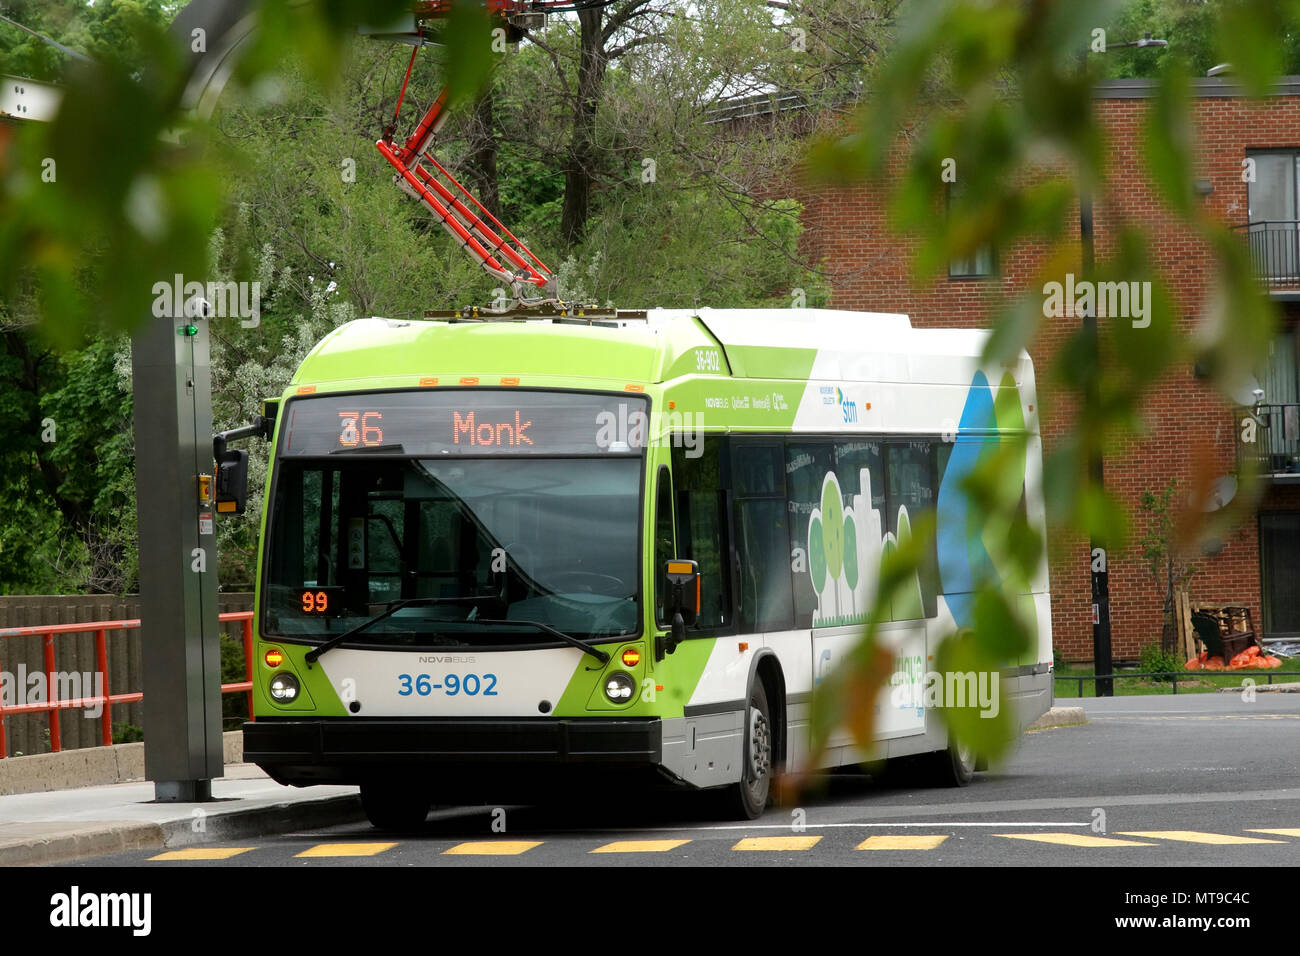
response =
{"points": [[551, 541]]}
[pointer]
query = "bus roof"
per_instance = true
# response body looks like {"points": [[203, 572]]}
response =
{"points": [[798, 344]]}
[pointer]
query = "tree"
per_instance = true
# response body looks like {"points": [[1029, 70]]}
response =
{"points": [[1165, 556]]}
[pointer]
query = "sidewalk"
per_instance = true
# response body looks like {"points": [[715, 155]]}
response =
{"points": [[63, 826]]}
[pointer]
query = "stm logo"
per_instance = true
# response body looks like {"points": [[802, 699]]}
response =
{"points": [[848, 408]]}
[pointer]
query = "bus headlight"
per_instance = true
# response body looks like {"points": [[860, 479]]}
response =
{"points": [[284, 688], [619, 687]]}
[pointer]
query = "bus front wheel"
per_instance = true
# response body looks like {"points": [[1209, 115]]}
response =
{"points": [[750, 796], [392, 807]]}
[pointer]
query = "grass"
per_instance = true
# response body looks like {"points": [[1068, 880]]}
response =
{"points": [[1196, 682]]}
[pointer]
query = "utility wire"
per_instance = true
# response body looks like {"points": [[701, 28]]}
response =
{"points": [[44, 39]]}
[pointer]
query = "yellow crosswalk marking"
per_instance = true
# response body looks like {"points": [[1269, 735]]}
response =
{"points": [[1283, 831], [203, 853], [346, 849], [640, 846], [491, 848], [777, 843], [1073, 839], [901, 842], [1194, 836]]}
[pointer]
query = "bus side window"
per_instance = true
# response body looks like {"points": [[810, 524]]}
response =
{"points": [[766, 600], [702, 526], [806, 466], [911, 483], [664, 549]]}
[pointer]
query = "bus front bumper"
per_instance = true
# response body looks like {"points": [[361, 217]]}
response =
{"points": [[352, 750]]}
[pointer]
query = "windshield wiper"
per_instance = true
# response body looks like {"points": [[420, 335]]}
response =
{"points": [[371, 449], [311, 656], [547, 629]]}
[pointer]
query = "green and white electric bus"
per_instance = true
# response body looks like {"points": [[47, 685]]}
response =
{"points": [[509, 554]]}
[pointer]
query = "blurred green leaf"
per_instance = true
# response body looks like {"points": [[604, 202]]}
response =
{"points": [[468, 39], [985, 722], [1167, 138]]}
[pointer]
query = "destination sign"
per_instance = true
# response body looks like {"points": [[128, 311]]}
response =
{"points": [[464, 422]]}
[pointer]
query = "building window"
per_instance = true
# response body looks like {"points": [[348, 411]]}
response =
{"points": [[1279, 559], [982, 264], [1273, 214]]}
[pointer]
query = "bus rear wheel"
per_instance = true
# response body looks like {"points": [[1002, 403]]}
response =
{"points": [[750, 796], [955, 766], [394, 807]]}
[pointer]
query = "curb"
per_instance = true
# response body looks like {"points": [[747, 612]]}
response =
{"points": [[1060, 717], [1293, 688], [69, 843], [262, 821], [78, 842]]}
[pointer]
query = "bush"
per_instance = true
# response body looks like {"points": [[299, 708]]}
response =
{"points": [[127, 734], [1155, 661]]}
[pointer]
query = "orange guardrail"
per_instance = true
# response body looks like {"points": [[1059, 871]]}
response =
{"points": [[52, 705]]}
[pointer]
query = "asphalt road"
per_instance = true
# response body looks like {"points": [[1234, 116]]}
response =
{"points": [[1192, 780]]}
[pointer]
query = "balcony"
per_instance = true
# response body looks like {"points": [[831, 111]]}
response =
{"points": [[1275, 452], [1274, 246]]}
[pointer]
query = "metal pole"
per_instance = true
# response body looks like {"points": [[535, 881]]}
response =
{"points": [[1098, 560]]}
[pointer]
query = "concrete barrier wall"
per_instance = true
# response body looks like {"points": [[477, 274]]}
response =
{"points": [[90, 767], [28, 733]]}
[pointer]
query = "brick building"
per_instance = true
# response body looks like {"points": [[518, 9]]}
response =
{"points": [[1258, 564]]}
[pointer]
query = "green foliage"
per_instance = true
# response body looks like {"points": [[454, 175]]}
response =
{"points": [[68, 470], [1154, 660], [124, 733], [234, 707]]}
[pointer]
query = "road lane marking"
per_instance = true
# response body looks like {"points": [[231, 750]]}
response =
{"points": [[1072, 839], [1199, 717], [1195, 836], [1283, 831], [492, 848], [778, 843], [203, 853], [345, 849], [902, 842], [640, 846], [932, 825]]}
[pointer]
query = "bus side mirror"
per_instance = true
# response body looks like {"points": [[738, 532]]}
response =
{"points": [[232, 482], [683, 598], [232, 465]]}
